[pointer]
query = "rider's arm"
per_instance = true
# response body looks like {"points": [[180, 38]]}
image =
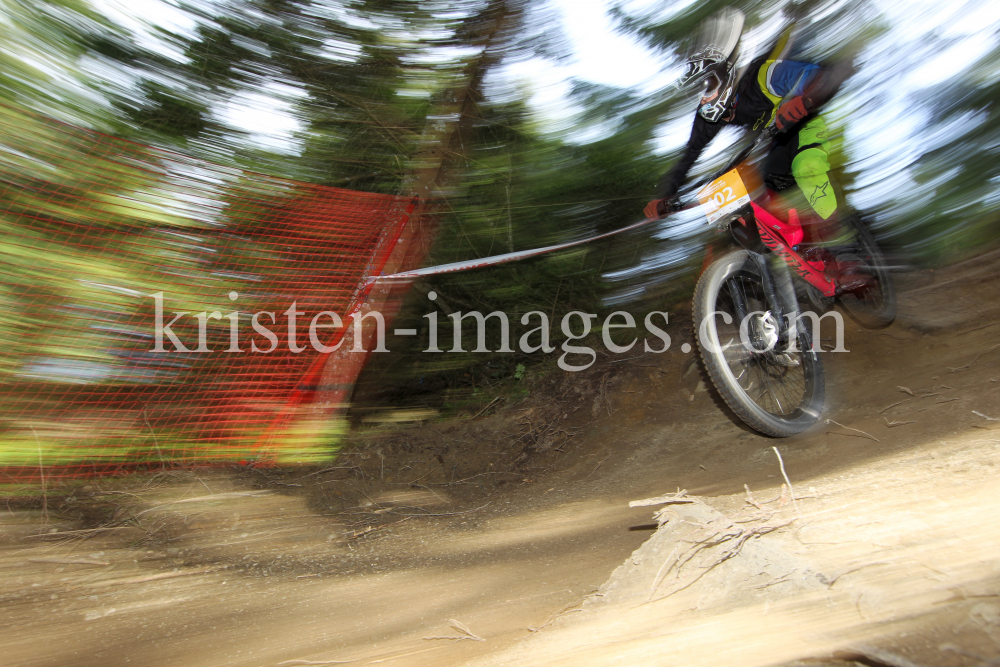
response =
{"points": [[701, 133], [804, 86]]}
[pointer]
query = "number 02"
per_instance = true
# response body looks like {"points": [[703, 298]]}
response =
{"points": [[721, 199]]}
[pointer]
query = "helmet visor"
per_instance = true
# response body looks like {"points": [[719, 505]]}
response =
{"points": [[712, 87]]}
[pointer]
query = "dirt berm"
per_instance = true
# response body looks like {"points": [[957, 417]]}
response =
{"points": [[509, 539]]}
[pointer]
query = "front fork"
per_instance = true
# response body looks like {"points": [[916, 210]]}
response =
{"points": [[780, 296]]}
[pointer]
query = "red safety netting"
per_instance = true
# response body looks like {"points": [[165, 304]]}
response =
{"points": [[92, 228]]}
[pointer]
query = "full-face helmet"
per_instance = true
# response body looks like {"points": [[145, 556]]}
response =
{"points": [[712, 63]]}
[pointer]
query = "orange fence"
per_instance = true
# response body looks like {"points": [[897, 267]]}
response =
{"points": [[98, 235]]}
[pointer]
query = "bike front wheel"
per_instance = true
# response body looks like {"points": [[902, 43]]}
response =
{"points": [[775, 388]]}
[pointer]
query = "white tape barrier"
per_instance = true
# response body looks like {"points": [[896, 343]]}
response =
{"points": [[501, 259]]}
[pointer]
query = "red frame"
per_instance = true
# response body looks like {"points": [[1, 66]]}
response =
{"points": [[782, 237]]}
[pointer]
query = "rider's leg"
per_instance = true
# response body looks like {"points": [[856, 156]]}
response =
{"points": [[811, 167]]}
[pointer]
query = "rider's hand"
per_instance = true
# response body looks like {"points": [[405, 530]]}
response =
{"points": [[657, 208], [790, 113]]}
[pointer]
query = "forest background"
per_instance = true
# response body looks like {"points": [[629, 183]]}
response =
{"points": [[379, 91]]}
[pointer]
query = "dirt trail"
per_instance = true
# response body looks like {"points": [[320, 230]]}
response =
{"points": [[888, 553]]}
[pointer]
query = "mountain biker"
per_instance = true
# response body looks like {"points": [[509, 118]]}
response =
{"points": [[767, 88]]}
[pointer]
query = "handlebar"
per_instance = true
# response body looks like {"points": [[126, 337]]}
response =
{"points": [[765, 136]]}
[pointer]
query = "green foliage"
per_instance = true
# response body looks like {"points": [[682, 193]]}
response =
{"points": [[386, 91]]}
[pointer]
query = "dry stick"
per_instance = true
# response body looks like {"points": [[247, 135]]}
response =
{"points": [[892, 406], [668, 499], [327, 470], [991, 324], [851, 570], [992, 419], [461, 627], [890, 424], [492, 403], [566, 609], [969, 365], [476, 509], [781, 464], [599, 464], [750, 498], [41, 473], [867, 435], [316, 662]]}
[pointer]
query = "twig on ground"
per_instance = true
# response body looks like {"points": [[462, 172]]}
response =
{"points": [[316, 662], [969, 365], [491, 404], [890, 424], [985, 326], [867, 435], [599, 464], [991, 419], [791, 491], [836, 578], [774, 582], [319, 472], [566, 609], [618, 361], [371, 529], [461, 627], [678, 497], [750, 498], [476, 509], [466, 479], [906, 389], [892, 406]]}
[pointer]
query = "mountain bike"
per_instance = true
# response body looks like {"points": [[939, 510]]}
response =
{"points": [[759, 345]]}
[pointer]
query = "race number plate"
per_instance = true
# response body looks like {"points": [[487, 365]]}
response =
{"points": [[723, 195]]}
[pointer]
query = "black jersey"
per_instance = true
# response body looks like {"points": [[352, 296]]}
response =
{"points": [[758, 93]]}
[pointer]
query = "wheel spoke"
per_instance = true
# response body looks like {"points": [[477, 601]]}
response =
{"points": [[770, 383]]}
